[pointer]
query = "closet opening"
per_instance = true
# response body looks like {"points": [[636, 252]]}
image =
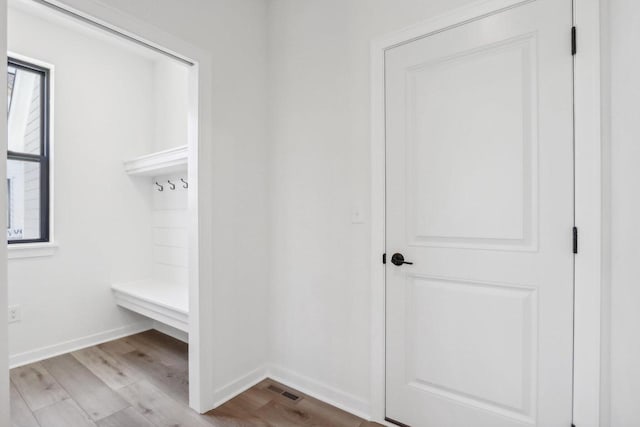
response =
{"points": [[102, 201]]}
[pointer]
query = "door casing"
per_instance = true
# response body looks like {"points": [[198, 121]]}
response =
{"points": [[588, 199]]}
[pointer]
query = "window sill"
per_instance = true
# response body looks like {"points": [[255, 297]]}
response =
{"points": [[31, 250]]}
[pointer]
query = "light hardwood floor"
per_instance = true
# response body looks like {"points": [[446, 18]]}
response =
{"points": [[142, 380]]}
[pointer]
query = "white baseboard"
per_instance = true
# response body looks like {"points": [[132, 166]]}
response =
{"points": [[21, 359], [306, 385], [324, 392], [234, 388]]}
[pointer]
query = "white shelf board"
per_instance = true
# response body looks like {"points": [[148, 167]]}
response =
{"points": [[160, 163], [162, 301]]}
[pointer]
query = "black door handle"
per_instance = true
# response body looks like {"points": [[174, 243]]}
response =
{"points": [[398, 259]]}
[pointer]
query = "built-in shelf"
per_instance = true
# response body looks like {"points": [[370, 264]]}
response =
{"points": [[160, 163], [165, 302]]}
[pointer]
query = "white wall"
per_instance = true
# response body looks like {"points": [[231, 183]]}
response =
{"points": [[319, 117], [624, 46], [171, 101], [103, 114]]}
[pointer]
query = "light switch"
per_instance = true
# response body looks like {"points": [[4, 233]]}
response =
{"points": [[357, 216]]}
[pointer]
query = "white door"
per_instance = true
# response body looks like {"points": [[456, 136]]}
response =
{"points": [[479, 194]]}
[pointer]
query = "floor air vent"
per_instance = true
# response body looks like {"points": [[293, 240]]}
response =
{"points": [[285, 393], [290, 395]]}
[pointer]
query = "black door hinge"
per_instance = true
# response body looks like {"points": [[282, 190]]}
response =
{"points": [[384, 258], [574, 41], [575, 240]]}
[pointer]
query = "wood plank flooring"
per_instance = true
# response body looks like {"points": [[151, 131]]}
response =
{"points": [[142, 380]]}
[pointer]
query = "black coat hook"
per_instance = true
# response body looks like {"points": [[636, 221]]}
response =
{"points": [[186, 184], [160, 187], [173, 186]]}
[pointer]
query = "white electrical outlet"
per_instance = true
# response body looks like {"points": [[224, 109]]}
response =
{"points": [[14, 313]]}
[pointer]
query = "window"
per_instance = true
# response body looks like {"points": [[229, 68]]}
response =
{"points": [[28, 154]]}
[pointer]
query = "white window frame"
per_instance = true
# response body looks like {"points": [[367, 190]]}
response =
{"points": [[41, 249]]}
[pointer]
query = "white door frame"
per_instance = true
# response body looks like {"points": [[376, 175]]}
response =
{"points": [[588, 198], [201, 357], [4, 326]]}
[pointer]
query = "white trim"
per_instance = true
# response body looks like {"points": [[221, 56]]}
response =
{"points": [[4, 339], [588, 199], [98, 9], [378, 230], [113, 30], [21, 359], [453, 18], [240, 385], [160, 163], [589, 216], [31, 250], [323, 392]]}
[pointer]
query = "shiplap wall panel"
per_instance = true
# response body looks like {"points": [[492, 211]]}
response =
{"points": [[169, 224], [170, 255], [167, 218], [170, 237], [171, 273]]}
